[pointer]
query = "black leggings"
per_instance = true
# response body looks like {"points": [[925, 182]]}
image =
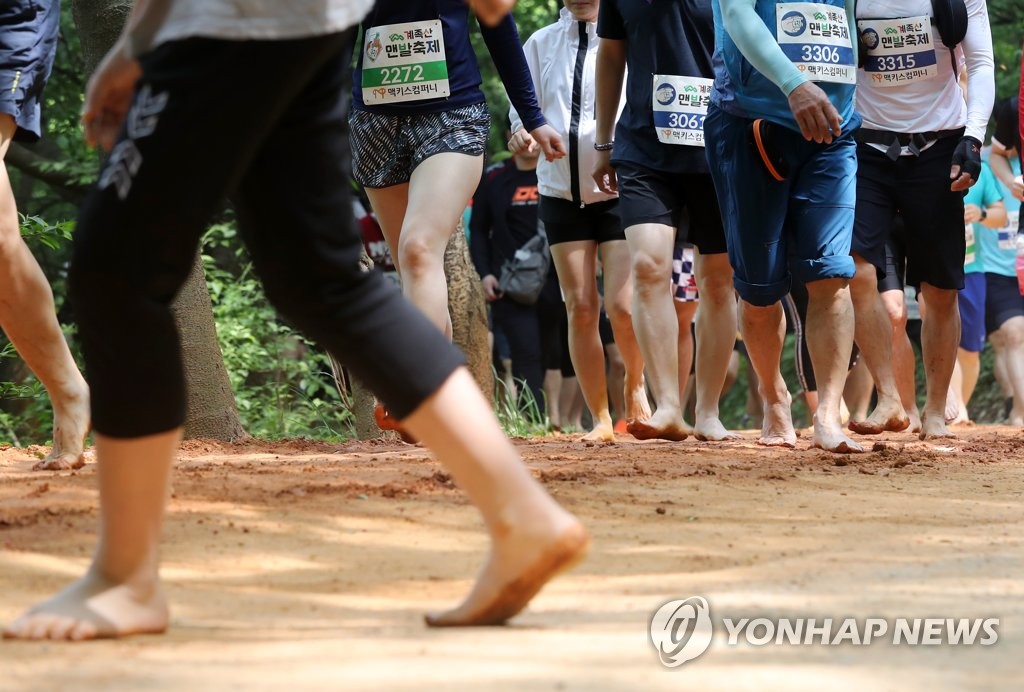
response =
{"points": [[264, 124]]}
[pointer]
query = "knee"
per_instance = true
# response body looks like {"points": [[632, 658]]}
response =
{"points": [[716, 286], [417, 255], [584, 311], [864, 284], [620, 311], [1012, 333], [650, 270]]}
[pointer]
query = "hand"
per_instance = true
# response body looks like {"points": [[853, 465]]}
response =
{"points": [[1018, 188], [972, 213], [108, 96], [604, 174], [817, 117], [521, 142], [490, 12], [550, 142], [491, 292], [966, 165]]}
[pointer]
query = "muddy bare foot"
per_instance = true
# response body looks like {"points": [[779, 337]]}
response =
{"points": [[885, 418], [934, 427], [777, 425], [659, 427], [70, 428], [519, 566], [712, 430], [94, 608], [831, 439]]}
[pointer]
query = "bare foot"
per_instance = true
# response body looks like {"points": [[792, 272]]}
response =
{"points": [[712, 430], [94, 608], [777, 426], [70, 428], [934, 427], [831, 439], [915, 421], [602, 432], [885, 418], [660, 426], [952, 411], [638, 407], [521, 563]]}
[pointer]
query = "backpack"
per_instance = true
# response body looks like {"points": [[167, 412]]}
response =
{"points": [[523, 275]]}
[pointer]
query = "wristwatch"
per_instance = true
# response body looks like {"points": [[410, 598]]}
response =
{"points": [[984, 213]]}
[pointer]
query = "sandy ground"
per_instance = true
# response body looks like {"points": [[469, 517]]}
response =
{"points": [[306, 565]]}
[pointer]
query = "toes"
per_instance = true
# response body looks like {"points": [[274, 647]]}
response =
{"points": [[82, 630]]}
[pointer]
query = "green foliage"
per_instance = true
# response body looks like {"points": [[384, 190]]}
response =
{"points": [[283, 386], [52, 236], [519, 416]]}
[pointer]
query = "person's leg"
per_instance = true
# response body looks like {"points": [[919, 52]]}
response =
{"points": [[874, 338], [764, 333], [389, 206], [521, 327], [120, 593], [438, 192], [970, 367], [1011, 345], [940, 333], [654, 321], [956, 407], [576, 263], [716, 334], [570, 402], [618, 305], [830, 339], [685, 311], [533, 538], [857, 392], [28, 318], [903, 360]]}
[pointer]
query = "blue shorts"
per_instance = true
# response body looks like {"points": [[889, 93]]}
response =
{"points": [[811, 210], [972, 312], [28, 41]]}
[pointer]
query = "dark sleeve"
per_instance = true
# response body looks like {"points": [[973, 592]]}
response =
{"points": [[609, 22], [480, 231], [507, 52], [1005, 114]]}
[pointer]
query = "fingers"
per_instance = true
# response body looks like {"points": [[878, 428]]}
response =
{"points": [[964, 182]]}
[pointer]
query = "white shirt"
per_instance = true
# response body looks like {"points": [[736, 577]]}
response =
{"points": [[552, 53], [259, 19], [937, 103]]}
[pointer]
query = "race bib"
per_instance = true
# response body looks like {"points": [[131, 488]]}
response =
{"points": [[816, 38], [898, 50], [404, 62], [969, 238], [1008, 233], [680, 106]]}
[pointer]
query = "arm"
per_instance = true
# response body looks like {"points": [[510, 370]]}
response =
{"points": [[999, 162], [521, 139], [977, 46], [507, 52], [814, 113], [108, 95], [611, 68]]}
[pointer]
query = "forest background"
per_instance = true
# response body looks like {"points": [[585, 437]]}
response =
{"points": [[279, 384]]}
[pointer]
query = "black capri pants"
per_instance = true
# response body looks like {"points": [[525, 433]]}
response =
{"points": [[264, 124]]}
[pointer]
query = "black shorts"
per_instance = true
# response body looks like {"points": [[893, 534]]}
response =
{"points": [[895, 276], [917, 186], [28, 41], [1002, 300], [647, 196], [565, 221], [386, 149]]}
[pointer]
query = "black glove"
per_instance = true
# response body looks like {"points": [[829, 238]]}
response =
{"points": [[968, 157]]}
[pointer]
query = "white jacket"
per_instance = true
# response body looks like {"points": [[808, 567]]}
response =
{"points": [[552, 54]]}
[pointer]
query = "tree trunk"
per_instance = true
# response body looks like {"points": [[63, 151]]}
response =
{"points": [[468, 309], [211, 409]]}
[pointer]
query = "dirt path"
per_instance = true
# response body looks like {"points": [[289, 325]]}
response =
{"points": [[309, 566]]}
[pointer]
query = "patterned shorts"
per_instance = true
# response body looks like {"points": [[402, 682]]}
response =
{"points": [[387, 148], [684, 282]]}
